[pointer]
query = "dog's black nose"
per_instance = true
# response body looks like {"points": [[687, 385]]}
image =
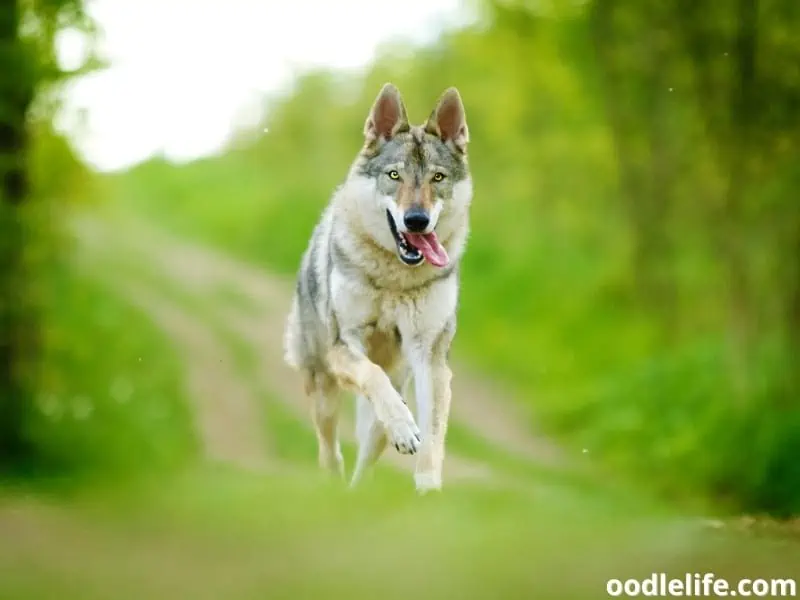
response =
{"points": [[416, 220]]}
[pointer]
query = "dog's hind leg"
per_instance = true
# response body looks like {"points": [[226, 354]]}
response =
{"points": [[370, 432], [325, 405], [371, 436]]}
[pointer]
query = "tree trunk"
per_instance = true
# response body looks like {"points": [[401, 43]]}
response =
{"points": [[732, 225], [16, 327], [635, 99]]}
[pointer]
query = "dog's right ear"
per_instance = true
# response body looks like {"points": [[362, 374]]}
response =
{"points": [[387, 117]]}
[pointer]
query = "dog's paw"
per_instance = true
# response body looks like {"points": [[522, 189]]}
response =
{"points": [[332, 462], [403, 432]]}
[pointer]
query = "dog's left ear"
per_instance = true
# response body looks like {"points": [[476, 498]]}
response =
{"points": [[448, 120]]}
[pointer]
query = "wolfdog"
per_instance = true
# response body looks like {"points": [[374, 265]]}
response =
{"points": [[376, 294]]}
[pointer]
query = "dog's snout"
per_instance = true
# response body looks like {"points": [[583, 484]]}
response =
{"points": [[416, 220]]}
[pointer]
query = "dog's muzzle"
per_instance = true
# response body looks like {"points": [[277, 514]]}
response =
{"points": [[407, 253]]}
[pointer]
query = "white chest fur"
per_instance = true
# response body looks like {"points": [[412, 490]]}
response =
{"points": [[419, 314]]}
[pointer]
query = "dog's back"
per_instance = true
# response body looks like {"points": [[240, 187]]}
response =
{"points": [[308, 322]]}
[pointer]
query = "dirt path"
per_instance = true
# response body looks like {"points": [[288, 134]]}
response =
{"points": [[253, 305], [225, 412], [230, 422]]}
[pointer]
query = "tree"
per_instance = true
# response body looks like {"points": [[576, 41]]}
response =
{"points": [[28, 70], [16, 331]]}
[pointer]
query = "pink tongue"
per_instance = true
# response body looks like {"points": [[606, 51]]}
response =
{"points": [[431, 249]]}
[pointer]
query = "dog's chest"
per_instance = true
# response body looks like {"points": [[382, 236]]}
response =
{"points": [[412, 312], [389, 311]]}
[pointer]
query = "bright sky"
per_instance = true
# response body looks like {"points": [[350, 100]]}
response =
{"points": [[182, 71]]}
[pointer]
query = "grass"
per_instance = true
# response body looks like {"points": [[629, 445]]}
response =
{"points": [[289, 438], [221, 534], [111, 396]]}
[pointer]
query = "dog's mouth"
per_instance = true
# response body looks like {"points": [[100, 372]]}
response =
{"points": [[413, 248]]}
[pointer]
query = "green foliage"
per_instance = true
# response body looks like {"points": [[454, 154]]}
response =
{"points": [[59, 180]]}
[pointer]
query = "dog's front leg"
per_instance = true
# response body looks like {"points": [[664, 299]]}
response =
{"points": [[430, 461], [432, 390], [354, 371]]}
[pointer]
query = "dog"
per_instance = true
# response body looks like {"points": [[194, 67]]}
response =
{"points": [[376, 295]]}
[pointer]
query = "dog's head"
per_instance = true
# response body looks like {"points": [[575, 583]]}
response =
{"points": [[414, 182]]}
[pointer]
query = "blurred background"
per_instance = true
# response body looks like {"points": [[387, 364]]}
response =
{"points": [[626, 366]]}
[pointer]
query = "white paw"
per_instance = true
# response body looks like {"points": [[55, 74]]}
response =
{"points": [[403, 432], [427, 482]]}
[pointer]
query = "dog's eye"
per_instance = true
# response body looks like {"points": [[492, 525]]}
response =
{"points": [[393, 175], [437, 177]]}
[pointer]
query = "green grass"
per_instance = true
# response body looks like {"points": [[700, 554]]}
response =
{"points": [[111, 397], [218, 534], [289, 438]]}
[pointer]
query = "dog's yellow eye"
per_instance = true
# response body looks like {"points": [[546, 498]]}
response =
{"points": [[438, 177], [394, 175]]}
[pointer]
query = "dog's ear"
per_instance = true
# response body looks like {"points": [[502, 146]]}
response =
{"points": [[448, 120], [387, 117]]}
